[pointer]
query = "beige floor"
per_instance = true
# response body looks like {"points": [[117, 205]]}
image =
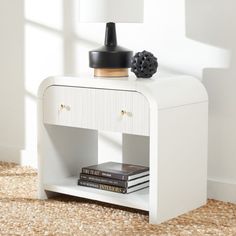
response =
{"points": [[22, 214]]}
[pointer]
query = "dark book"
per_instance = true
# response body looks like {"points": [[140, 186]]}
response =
{"points": [[115, 182], [116, 170], [112, 188]]}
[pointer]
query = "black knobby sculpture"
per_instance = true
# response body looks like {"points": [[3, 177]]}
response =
{"points": [[144, 64]]}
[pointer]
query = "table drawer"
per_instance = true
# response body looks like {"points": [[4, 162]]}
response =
{"points": [[101, 109]]}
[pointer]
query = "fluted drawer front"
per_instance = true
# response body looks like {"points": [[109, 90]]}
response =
{"points": [[109, 110]]}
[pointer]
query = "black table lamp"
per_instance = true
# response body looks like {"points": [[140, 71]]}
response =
{"points": [[111, 60]]}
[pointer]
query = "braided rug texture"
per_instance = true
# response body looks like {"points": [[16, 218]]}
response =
{"points": [[22, 214]]}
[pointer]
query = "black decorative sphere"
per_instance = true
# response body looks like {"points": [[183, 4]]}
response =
{"points": [[144, 64]]}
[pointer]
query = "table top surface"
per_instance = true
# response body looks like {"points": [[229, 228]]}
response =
{"points": [[167, 90]]}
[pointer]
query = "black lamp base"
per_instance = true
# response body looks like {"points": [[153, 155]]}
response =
{"points": [[111, 57]]}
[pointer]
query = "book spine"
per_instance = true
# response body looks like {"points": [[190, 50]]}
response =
{"points": [[102, 180], [104, 174], [102, 186]]}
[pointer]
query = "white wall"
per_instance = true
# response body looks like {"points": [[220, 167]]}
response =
{"points": [[32, 42], [217, 27], [45, 38], [11, 79]]}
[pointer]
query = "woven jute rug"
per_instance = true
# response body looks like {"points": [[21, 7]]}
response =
{"points": [[22, 214]]}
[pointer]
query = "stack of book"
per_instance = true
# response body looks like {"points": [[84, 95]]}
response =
{"points": [[115, 177]]}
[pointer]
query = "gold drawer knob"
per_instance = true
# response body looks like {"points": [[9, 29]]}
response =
{"points": [[64, 107], [128, 113]]}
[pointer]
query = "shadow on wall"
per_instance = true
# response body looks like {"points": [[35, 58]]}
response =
{"points": [[11, 79], [213, 22], [37, 41], [56, 43]]}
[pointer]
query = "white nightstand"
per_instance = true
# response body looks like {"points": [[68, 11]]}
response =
{"points": [[162, 122]]}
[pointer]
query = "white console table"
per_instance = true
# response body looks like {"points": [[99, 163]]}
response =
{"points": [[162, 122]]}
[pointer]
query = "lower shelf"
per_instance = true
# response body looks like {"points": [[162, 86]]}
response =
{"points": [[137, 200]]}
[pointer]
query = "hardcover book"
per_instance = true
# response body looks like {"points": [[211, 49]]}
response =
{"points": [[112, 188], [117, 170], [115, 182]]}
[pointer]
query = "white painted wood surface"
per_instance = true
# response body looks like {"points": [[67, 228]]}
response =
{"points": [[101, 109], [109, 146], [169, 91], [175, 145], [182, 160], [138, 199]]}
